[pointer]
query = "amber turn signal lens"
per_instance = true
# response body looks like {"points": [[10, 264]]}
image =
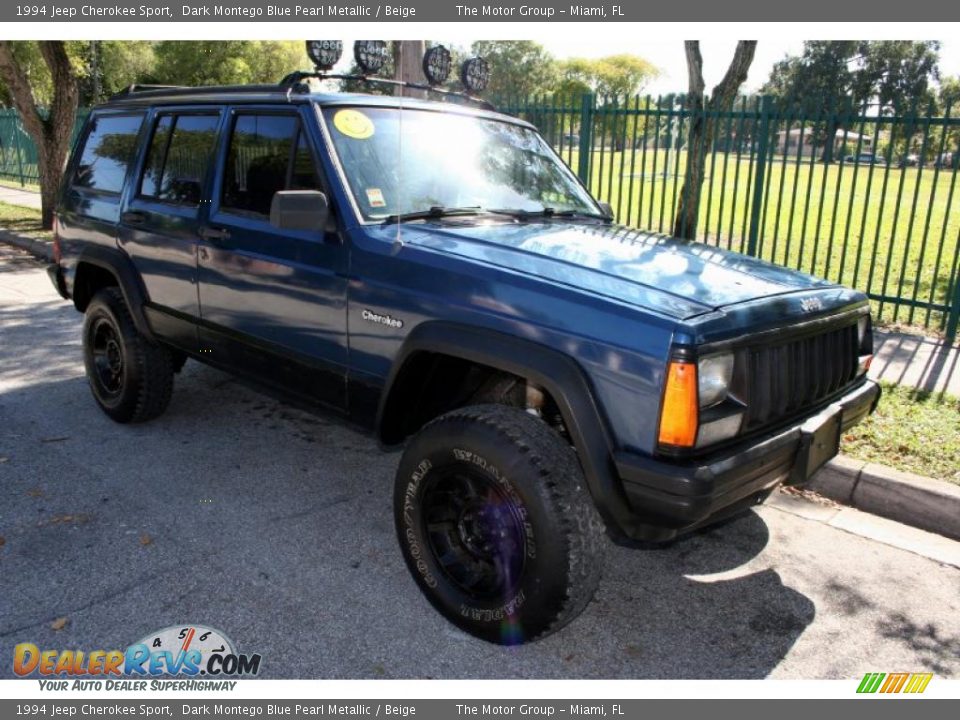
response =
{"points": [[679, 416]]}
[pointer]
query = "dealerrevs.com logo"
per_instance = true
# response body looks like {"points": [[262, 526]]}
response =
{"points": [[183, 651]]}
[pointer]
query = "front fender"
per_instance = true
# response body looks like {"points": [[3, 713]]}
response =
{"points": [[557, 373]]}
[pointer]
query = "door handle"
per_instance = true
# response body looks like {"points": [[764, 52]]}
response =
{"points": [[133, 217], [214, 234]]}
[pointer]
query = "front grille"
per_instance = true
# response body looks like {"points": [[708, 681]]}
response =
{"points": [[783, 379]]}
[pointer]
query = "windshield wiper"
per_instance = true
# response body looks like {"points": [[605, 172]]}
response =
{"points": [[549, 212], [437, 211]]}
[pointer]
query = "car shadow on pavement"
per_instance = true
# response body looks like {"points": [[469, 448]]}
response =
{"points": [[696, 608]]}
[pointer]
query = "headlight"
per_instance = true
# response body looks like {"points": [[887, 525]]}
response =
{"points": [[714, 373]]}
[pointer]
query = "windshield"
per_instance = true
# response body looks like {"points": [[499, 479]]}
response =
{"points": [[411, 161]]}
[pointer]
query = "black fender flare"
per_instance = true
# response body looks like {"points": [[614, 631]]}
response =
{"points": [[119, 264], [557, 373]]}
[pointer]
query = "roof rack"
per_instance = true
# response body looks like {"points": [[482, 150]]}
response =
{"points": [[294, 81], [140, 87], [137, 89]]}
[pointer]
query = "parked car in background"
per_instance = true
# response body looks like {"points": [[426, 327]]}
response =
{"points": [[947, 160], [862, 159]]}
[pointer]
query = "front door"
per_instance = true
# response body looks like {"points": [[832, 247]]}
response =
{"points": [[273, 303]]}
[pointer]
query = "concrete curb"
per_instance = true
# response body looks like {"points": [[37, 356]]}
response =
{"points": [[907, 498], [39, 248]]}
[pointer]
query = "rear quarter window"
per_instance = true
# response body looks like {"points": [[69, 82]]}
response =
{"points": [[110, 145]]}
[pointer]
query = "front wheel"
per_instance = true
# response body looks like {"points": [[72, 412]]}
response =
{"points": [[496, 524]]}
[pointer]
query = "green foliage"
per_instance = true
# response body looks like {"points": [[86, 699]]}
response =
{"points": [[226, 62], [27, 54], [119, 63], [949, 94], [124, 62], [831, 74], [616, 76], [519, 68]]}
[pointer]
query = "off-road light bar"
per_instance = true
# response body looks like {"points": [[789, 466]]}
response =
{"points": [[475, 74], [324, 53], [370, 55], [436, 64]]}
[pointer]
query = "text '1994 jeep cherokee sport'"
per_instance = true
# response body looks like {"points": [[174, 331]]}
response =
{"points": [[435, 272]]}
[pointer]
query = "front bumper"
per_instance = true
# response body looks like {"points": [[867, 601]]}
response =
{"points": [[669, 497]]}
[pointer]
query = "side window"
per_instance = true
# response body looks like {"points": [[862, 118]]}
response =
{"points": [[267, 153], [179, 155], [110, 146]]}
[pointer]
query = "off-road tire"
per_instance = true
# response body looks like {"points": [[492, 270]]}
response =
{"points": [[139, 388], [535, 491]]}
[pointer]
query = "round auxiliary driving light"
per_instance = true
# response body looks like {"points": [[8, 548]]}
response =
{"points": [[324, 53], [370, 55], [475, 74], [436, 64]]}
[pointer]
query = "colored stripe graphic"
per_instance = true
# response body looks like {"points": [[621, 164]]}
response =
{"points": [[918, 682], [913, 683], [870, 682]]}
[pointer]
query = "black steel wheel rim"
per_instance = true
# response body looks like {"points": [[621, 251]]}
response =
{"points": [[108, 363], [475, 531]]}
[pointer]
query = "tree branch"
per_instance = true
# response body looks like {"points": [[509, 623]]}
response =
{"points": [[726, 91], [63, 107], [18, 86]]}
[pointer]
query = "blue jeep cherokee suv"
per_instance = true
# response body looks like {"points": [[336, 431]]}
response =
{"points": [[436, 273]]}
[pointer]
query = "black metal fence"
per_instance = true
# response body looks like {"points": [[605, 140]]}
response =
{"points": [[864, 199]]}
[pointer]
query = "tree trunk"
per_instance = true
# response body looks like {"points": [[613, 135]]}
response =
{"points": [[829, 140], [408, 66], [703, 126], [50, 131]]}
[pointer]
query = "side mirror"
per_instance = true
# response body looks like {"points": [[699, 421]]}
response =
{"points": [[299, 210], [607, 209]]}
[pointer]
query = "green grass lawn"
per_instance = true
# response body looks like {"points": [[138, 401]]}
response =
{"points": [[886, 230], [30, 186], [911, 430], [22, 220]]}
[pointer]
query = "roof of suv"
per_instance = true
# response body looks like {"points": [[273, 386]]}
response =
{"points": [[261, 94]]}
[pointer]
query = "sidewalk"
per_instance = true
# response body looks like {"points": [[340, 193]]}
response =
{"points": [[16, 196], [917, 361]]}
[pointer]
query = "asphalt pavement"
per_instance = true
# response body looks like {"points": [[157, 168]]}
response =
{"points": [[239, 512]]}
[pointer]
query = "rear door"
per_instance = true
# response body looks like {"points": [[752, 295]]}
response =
{"points": [[163, 213], [273, 302]]}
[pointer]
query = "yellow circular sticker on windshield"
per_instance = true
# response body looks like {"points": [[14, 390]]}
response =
{"points": [[354, 124]]}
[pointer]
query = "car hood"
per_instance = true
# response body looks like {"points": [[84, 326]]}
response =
{"points": [[677, 278]]}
